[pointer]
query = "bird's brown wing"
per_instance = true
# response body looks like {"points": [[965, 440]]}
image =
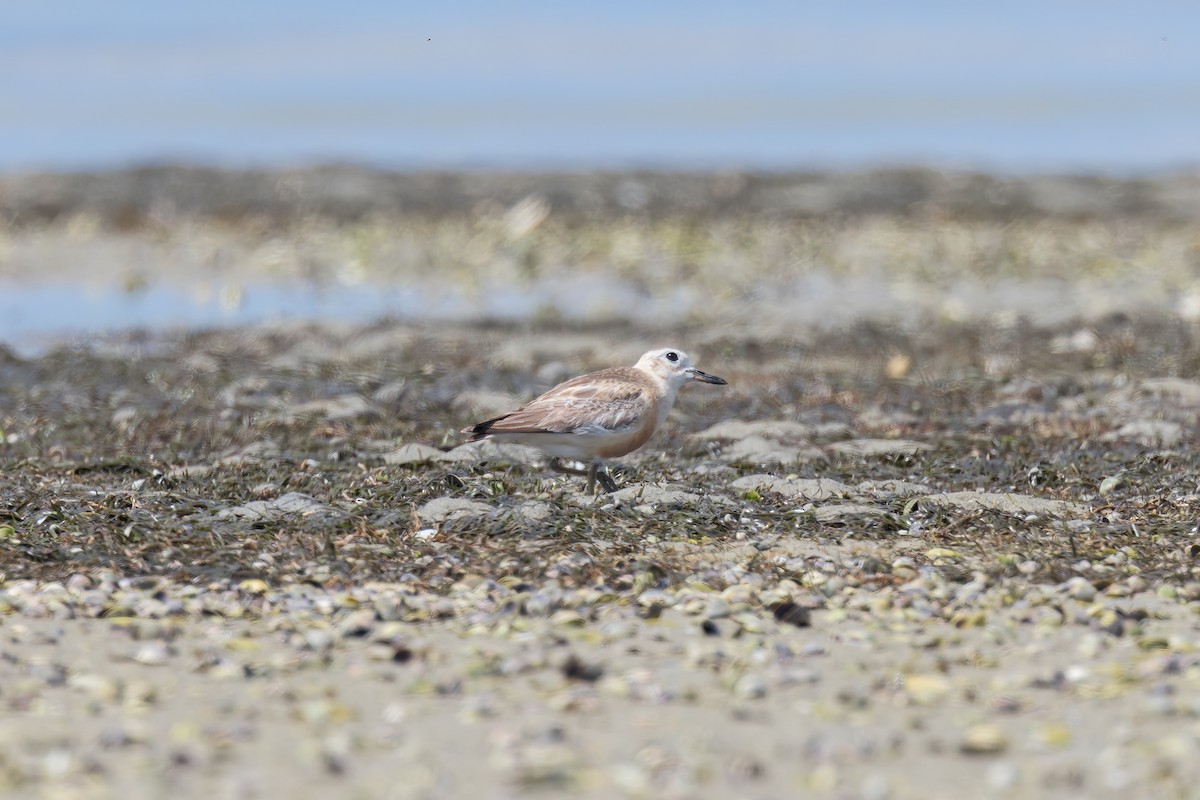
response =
{"points": [[612, 400]]}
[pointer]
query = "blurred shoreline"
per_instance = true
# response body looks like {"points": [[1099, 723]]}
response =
{"points": [[179, 248], [126, 197]]}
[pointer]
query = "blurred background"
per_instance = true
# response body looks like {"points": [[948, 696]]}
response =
{"points": [[1113, 87], [223, 163]]}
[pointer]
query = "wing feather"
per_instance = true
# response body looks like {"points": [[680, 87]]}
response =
{"points": [[610, 400]]}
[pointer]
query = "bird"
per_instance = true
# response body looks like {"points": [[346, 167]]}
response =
{"points": [[600, 415]]}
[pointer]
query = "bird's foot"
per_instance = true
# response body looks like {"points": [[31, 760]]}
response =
{"points": [[597, 472], [606, 481]]}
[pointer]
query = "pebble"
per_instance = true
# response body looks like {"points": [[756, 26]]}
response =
{"points": [[717, 608], [984, 739], [926, 689], [750, 686], [153, 654], [319, 639], [1080, 589]]}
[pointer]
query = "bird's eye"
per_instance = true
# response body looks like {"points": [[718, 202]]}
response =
{"points": [[672, 356]]}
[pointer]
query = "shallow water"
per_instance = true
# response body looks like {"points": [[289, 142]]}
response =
{"points": [[39, 315]]}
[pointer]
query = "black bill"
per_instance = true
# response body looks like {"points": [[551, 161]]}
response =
{"points": [[697, 375]]}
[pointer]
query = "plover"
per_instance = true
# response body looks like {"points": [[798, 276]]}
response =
{"points": [[600, 415]]}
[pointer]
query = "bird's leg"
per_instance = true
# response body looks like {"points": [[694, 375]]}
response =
{"points": [[595, 472]]}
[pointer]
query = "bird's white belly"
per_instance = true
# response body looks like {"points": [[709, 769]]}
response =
{"points": [[578, 446]]}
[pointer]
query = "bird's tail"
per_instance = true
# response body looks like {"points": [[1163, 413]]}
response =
{"points": [[480, 429]]}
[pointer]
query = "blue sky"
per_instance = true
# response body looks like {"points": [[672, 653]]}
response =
{"points": [[1017, 86]]}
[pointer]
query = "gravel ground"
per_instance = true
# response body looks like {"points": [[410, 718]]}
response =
{"points": [[951, 559]]}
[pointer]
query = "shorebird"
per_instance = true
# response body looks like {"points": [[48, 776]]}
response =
{"points": [[600, 415]]}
